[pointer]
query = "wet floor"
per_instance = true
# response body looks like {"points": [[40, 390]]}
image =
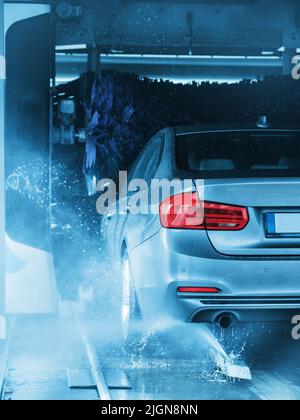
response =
{"points": [[41, 350], [164, 362], [174, 361]]}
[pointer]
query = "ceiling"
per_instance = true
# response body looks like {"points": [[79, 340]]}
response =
{"points": [[245, 27]]}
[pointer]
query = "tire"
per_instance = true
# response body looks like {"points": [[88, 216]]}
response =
{"points": [[129, 305]]}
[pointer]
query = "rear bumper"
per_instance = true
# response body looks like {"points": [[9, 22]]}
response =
{"points": [[262, 307], [244, 308], [259, 289], [243, 315]]}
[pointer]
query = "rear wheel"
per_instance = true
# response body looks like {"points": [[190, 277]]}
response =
{"points": [[129, 304]]}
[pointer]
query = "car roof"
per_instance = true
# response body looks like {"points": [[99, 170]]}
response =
{"points": [[193, 129]]}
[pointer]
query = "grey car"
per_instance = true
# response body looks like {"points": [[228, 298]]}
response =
{"points": [[241, 262]]}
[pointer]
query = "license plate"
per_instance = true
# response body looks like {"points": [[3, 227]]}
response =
{"points": [[283, 223]]}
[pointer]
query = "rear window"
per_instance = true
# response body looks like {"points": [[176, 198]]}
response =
{"points": [[242, 154]]}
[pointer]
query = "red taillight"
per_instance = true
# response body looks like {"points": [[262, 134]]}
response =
{"points": [[186, 211], [198, 290]]}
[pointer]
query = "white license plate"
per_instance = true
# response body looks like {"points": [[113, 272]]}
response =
{"points": [[284, 223]]}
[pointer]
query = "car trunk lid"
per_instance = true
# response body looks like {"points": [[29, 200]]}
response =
{"points": [[274, 216]]}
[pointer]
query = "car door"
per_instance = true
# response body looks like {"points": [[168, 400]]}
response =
{"points": [[145, 168]]}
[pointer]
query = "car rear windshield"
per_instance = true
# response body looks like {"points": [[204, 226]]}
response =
{"points": [[245, 154]]}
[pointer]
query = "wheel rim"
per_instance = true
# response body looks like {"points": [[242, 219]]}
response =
{"points": [[125, 297]]}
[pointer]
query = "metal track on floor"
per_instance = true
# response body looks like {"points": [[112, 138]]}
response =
{"points": [[95, 368], [4, 357]]}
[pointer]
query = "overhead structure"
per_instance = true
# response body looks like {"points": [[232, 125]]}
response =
{"points": [[183, 27], [230, 27], [176, 68]]}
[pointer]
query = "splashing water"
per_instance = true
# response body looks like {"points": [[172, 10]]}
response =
{"points": [[31, 180]]}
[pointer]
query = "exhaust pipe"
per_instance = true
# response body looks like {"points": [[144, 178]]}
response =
{"points": [[226, 320]]}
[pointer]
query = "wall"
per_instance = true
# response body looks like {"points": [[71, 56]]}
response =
{"points": [[2, 218]]}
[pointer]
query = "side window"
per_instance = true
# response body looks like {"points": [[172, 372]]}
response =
{"points": [[147, 166]]}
